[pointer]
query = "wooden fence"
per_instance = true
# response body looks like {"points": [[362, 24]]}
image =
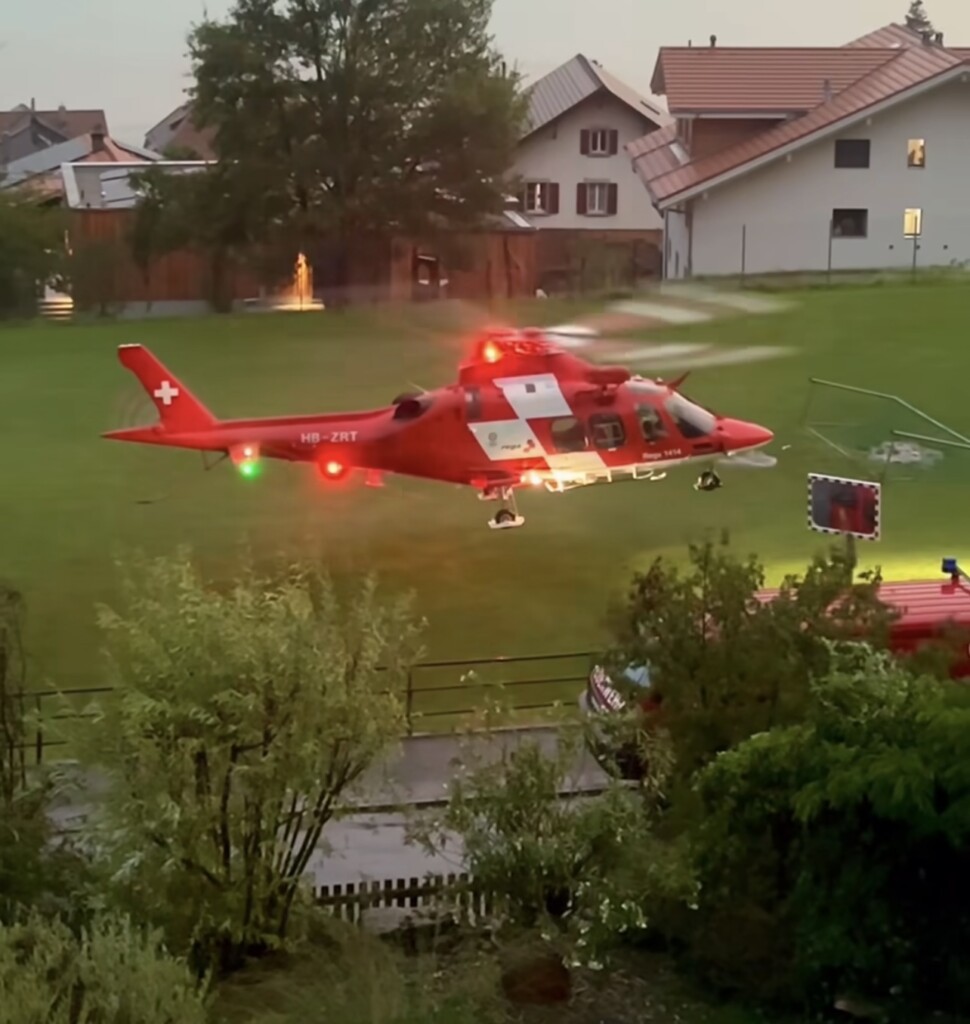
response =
{"points": [[456, 893]]}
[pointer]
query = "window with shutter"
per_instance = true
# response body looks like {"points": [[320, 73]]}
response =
{"points": [[581, 198], [596, 198], [584, 141], [598, 141], [553, 203], [614, 144], [539, 196], [612, 195]]}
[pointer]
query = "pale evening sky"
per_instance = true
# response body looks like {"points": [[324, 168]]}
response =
{"points": [[128, 56]]}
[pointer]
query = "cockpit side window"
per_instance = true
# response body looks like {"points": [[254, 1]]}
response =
{"points": [[692, 421], [569, 435], [651, 423], [607, 430]]}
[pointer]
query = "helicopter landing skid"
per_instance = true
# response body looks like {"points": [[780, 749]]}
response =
{"points": [[507, 517]]}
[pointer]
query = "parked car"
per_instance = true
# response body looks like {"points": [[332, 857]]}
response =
{"points": [[601, 697]]}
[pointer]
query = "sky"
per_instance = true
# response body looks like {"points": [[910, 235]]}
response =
{"points": [[127, 57]]}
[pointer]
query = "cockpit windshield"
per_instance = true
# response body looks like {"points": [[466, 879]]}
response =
{"points": [[691, 419]]}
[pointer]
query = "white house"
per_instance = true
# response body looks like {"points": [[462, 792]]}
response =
{"points": [[804, 159], [572, 161]]}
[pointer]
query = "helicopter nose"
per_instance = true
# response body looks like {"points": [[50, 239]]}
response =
{"points": [[738, 435]]}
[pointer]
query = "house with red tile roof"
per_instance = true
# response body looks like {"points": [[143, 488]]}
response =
{"points": [[571, 160], [780, 159]]}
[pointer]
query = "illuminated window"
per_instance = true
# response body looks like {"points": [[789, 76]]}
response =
{"points": [[916, 153], [913, 223]]}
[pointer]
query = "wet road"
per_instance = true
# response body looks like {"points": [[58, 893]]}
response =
{"points": [[369, 844]]}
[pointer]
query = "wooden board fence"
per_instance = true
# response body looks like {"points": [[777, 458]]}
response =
{"points": [[453, 892]]}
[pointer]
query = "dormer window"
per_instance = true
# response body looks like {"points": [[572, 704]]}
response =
{"points": [[599, 141]]}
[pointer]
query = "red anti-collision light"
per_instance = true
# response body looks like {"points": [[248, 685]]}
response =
{"points": [[491, 353]]}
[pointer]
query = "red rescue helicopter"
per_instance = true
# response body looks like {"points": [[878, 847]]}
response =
{"points": [[525, 412]]}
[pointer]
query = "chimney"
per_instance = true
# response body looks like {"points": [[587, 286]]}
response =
{"points": [[938, 39], [33, 103], [713, 40], [97, 140], [827, 89], [927, 36]]}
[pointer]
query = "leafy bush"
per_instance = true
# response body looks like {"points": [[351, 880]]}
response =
{"points": [[586, 869], [349, 975], [112, 974], [242, 716], [726, 665], [32, 251], [833, 853], [36, 869]]}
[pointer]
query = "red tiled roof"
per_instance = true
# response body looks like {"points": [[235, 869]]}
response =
{"points": [[911, 64], [654, 154], [787, 79], [113, 152], [888, 36]]}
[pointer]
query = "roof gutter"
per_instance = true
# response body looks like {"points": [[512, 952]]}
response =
{"points": [[927, 84], [762, 113]]}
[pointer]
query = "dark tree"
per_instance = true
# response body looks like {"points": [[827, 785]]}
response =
{"points": [[357, 119], [32, 250], [214, 211], [916, 17]]}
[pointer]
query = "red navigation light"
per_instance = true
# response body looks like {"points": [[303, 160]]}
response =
{"points": [[491, 353], [333, 469]]}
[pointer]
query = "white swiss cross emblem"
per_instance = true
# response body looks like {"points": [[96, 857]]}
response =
{"points": [[166, 392]]}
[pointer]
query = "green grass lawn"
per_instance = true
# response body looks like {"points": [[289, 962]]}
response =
{"points": [[68, 502]]}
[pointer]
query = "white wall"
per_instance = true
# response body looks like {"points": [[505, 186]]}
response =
{"points": [[676, 245], [553, 154], [785, 207], [89, 185]]}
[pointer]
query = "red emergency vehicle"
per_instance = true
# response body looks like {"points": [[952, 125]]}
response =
{"points": [[930, 611]]}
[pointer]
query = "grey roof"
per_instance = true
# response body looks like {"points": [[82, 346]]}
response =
{"points": [[160, 135], [47, 159], [563, 88], [52, 157]]}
